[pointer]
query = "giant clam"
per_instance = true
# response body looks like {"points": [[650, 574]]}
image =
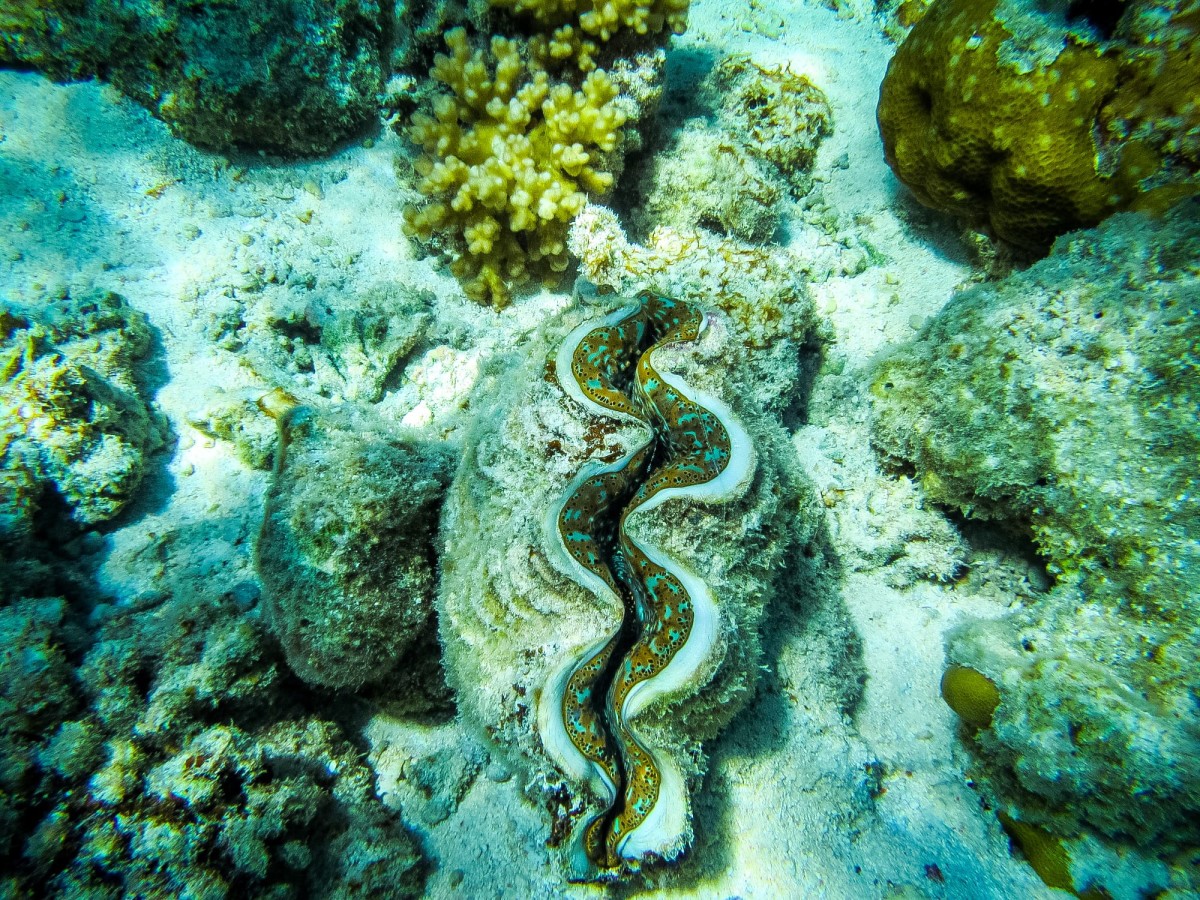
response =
{"points": [[609, 546]]}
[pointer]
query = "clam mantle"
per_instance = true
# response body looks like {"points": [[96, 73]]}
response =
{"points": [[610, 543]]}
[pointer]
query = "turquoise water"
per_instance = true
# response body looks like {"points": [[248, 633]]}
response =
{"points": [[280, 296]]}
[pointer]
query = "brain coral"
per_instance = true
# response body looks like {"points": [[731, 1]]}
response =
{"points": [[509, 159], [345, 552], [602, 591], [1063, 400], [1034, 120]]}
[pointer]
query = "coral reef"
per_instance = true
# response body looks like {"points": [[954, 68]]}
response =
{"points": [[731, 178], [1062, 401], [522, 616], [289, 76], [174, 760], [346, 548], [1036, 120], [75, 428], [508, 161]]}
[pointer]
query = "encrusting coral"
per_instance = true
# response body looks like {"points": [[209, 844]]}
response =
{"points": [[527, 614], [1062, 401], [1034, 120], [509, 159], [346, 548]]}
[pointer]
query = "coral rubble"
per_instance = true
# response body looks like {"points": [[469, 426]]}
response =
{"points": [[1063, 401], [1036, 119], [519, 626]]}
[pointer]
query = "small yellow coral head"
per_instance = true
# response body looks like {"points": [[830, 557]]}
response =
{"points": [[1045, 853], [971, 694]]}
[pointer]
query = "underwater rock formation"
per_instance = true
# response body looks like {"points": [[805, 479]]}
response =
{"points": [[74, 427], [1039, 118], [1062, 402], [346, 548], [609, 546], [288, 76]]}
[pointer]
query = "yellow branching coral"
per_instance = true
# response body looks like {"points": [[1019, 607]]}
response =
{"points": [[578, 27], [509, 159]]}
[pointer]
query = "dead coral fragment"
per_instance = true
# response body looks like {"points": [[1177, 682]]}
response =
{"points": [[72, 419], [509, 159]]}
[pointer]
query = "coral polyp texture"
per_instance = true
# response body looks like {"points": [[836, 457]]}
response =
{"points": [[1062, 402], [1034, 120], [610, 543], [509, 159]]}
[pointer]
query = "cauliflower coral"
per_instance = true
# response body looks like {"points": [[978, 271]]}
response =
{"points": [[509, 159]]}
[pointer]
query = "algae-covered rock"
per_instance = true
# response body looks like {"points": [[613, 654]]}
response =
{"points": [[75, 427], [1063, 401], [530, 594], [289, 76], [346, 549]]}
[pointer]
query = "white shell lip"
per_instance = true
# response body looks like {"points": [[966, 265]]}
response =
{"points": [[663, 831], [553, 729], [562, 360]]}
